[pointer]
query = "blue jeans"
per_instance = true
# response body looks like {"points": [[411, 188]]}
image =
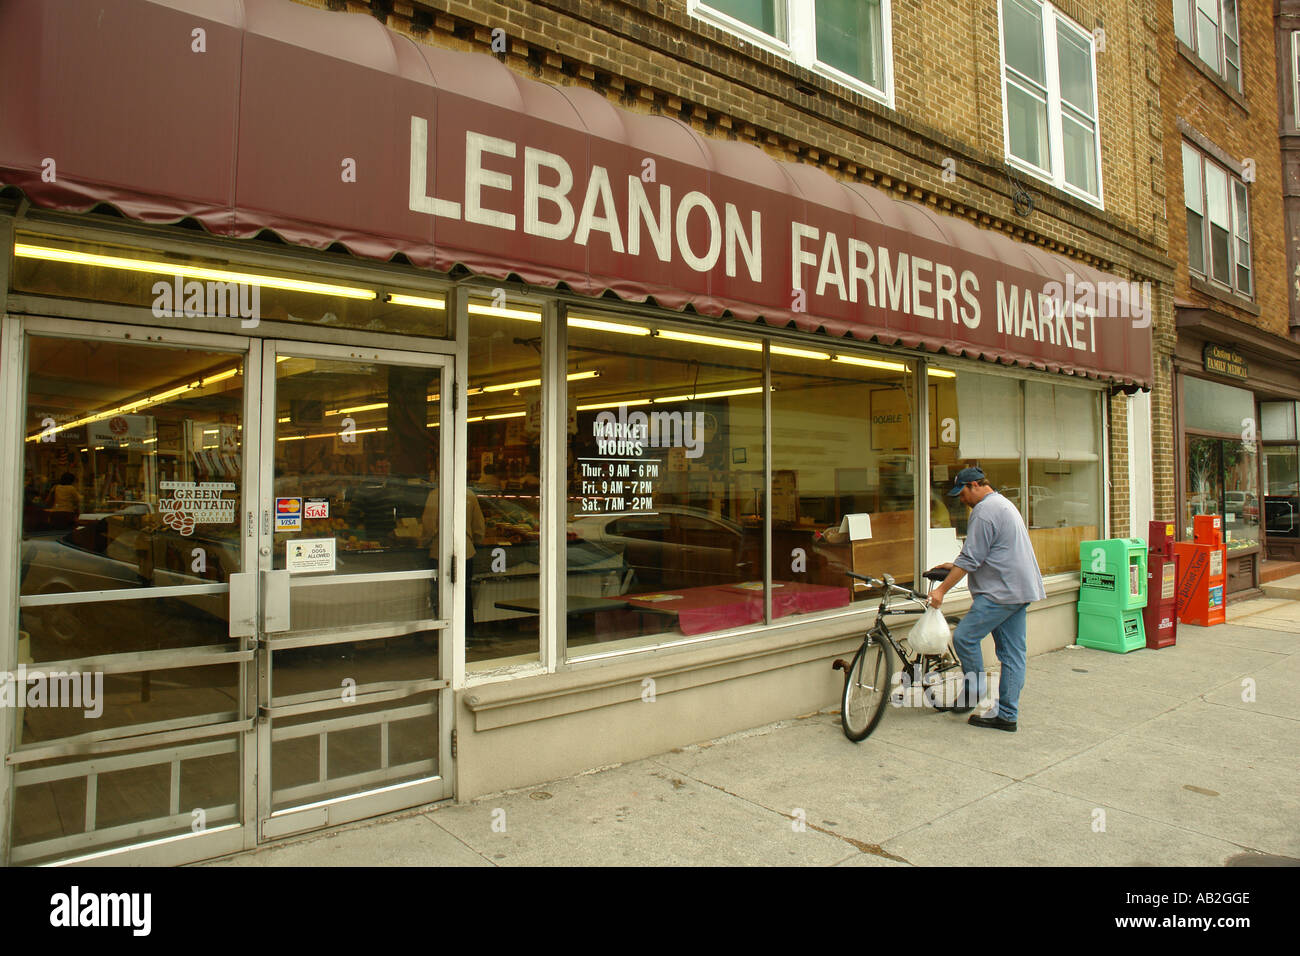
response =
{"points": [[1007, 622]]}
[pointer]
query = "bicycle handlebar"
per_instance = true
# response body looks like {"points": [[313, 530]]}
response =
{"points": [[912, 595]]}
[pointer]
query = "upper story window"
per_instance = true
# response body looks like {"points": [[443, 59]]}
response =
{"points": [[1295, 78], [1050, 97], [1210, 28], [1218, 222], [846, 40]]}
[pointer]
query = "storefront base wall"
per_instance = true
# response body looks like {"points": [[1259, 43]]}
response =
{"points": [[525, 732]]}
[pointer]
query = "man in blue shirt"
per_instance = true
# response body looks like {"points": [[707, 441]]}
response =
{"points": [[1004, 579]]}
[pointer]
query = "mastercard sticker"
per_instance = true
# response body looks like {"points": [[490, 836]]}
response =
{"points": [[288, 514]]}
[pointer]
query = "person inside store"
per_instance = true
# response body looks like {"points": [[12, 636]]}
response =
{"points": [[1004, 580], [64, 501], [475, 531]]}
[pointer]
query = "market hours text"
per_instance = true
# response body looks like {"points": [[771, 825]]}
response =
{"points": [[612, 486]]}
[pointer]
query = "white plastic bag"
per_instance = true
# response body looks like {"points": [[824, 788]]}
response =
{"points": [[930, 635]]}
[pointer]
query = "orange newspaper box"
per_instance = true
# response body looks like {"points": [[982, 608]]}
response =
{"points": [[1202, 573], [1160, 616]]}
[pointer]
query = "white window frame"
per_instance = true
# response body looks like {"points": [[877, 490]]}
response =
{"points": [[1295, 79], [1234, 181], [1052, 18], [1192, 19], [800, 45]]}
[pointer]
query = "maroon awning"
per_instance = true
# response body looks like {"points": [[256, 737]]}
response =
{"points": [[248, 115]]}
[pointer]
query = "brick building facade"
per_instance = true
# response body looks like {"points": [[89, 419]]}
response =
{"points": [[1221, 124]]}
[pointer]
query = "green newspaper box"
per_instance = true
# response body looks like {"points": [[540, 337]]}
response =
{"points": [[1112, 594]]}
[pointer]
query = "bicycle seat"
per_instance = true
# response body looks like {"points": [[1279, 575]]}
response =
{"points": [[937, 575]]}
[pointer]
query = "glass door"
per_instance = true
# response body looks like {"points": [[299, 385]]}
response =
{"points": [[131, 687], [353, 713]]}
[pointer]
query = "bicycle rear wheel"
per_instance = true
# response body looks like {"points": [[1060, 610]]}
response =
{"points": [[866, 687]]}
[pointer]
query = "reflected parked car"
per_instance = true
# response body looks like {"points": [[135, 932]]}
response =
{"points": [[674, 546]]}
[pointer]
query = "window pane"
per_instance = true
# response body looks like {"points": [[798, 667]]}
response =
{"points": [[1027, 120], [1230, 25], [1075, 63], [1216, 194], [1203, 488], [1080, 155], [1242, 228], [1182, 21], [765, 15], [1220, 254], [1212, 407], [1207, 38], [974, 420], [841, 444], [1281, 491], [133, 459], [1240, 495], [1022, 24], [1196, 242], [1062, 435], [1277, 421], [1192, 179], [849, 38], [670, 430], [503, 461]]}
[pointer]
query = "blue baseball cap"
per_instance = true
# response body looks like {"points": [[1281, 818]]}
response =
{"points": [[965, 477]]}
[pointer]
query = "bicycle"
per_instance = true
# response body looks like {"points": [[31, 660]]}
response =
{"points": [[867, 679]]}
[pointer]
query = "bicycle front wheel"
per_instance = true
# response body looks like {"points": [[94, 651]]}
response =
{"points": [[866, 688]]}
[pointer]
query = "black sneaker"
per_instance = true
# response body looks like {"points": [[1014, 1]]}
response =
{"points": [[995, 722]]}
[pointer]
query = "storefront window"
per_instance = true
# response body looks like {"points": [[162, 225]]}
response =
{"points": [[665, 476], [1281, 491], [503, 502], [1222, 478], [841, 444], [1278, 422], [974, 420], [1062, 430], [179, 285]]}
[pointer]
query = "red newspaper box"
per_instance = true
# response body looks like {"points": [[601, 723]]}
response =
{"points": [[1202, 573], [1160, 616]]}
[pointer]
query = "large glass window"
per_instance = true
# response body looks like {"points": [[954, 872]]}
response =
{"points": [[841, 444], [1210, 28], [984, 421], [847, 40], [666, 482], [1063, 430], [1278, 428], [503, 456], [1051, 97], [1223, 478]]}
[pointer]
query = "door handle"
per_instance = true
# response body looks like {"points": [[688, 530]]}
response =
{"points": [[275, 601]]}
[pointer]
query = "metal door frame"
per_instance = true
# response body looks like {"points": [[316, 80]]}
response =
{"points": [[176, 848], [268, 824]]}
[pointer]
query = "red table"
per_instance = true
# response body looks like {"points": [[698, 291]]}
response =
{"points": [[720, 607]]}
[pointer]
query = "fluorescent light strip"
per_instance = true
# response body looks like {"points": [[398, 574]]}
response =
{"points": [[476, 309], [530, 383], [359, 431], [24, 251], [871, 363], [598, 325], [418, 301], [668, 399], [799, 353], [492, 418], [709, 340], [940, 373]]}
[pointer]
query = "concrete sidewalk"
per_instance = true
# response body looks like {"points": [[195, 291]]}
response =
{"points": [[1149, 758]]}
